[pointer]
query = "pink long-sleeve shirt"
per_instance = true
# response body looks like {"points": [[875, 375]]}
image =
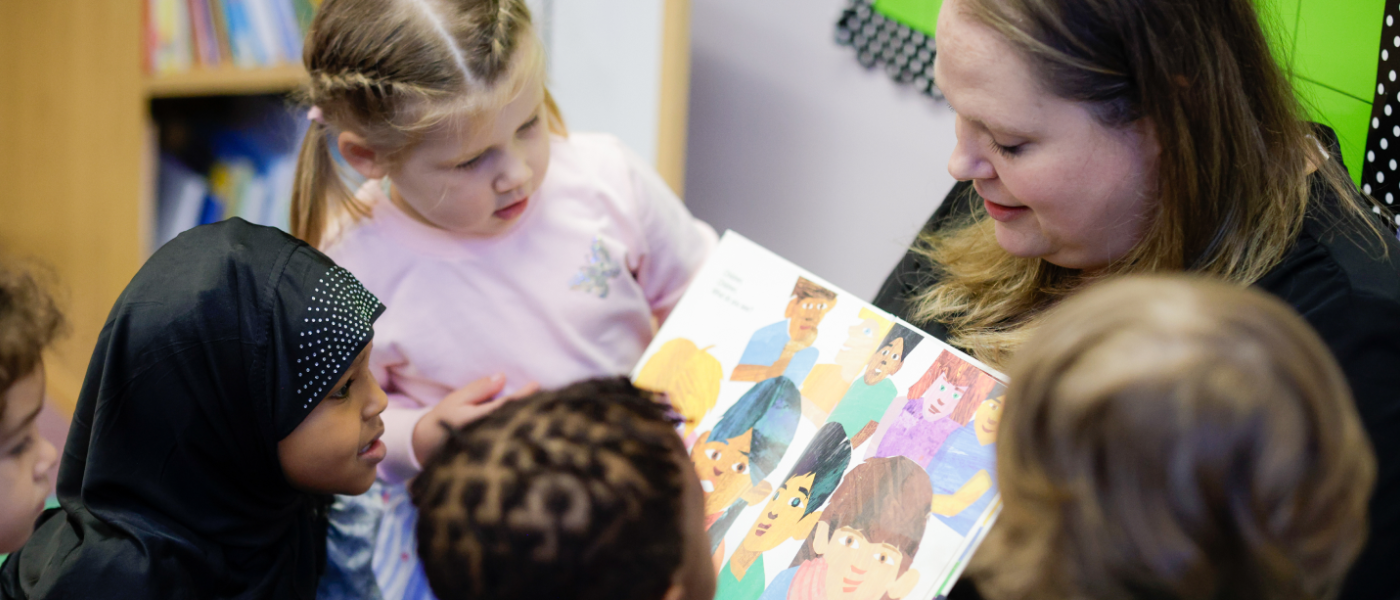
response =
{"points": [[567, 294]]}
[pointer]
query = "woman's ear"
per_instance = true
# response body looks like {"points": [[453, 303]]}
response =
{"points": [[366, 161]]}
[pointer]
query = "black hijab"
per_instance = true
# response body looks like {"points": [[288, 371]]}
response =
{"points": [[170, 483]]}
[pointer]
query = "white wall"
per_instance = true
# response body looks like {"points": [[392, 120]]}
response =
{"points": [[605, 65], [793, 144]]}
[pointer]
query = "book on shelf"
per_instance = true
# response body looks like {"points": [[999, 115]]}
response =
{"points": [[840, 450], [250, 176], [182, 35]]}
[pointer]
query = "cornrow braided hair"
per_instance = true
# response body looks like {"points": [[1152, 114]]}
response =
{"points": [[572, 493]]}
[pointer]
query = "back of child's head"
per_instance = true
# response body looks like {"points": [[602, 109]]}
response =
{"points": [[1176, 438], [392, 70], [29, 322], [576, 493]]}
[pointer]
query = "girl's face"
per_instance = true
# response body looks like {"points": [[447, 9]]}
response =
{"points": [[336, 448], [25, 459], [941, 398], [1060, 185], [475, 175]]}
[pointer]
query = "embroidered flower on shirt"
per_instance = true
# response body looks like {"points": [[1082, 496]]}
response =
{"points": [[593, 277]]}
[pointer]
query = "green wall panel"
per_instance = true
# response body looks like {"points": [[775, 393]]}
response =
{"points": [[919, 14], [1338, 44]]}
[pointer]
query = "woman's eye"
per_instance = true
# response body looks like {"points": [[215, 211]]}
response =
{"points": [[740, 467], [344, 391], [956, 395], [795, 502], [1005, 150], [529, 124], [712, 454]]}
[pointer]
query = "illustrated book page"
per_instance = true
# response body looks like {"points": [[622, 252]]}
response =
{"points": [[843, 453]]}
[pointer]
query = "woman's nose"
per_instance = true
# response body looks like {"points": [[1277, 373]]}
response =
{"points": [[968, 162]]}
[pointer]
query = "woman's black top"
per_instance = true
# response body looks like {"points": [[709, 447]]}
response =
{"points": [[170, 484], [1342, 284]]}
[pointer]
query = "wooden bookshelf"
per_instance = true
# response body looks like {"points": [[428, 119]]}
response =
{"points": [[225, 81]]}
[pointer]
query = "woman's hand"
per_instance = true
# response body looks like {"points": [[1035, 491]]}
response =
{"points": [[471, 402]]}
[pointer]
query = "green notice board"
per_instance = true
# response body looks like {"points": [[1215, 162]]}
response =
{"points": [[1329, 48]]}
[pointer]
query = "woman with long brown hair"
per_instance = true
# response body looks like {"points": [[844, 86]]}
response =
{"points": [[1099, 138]]}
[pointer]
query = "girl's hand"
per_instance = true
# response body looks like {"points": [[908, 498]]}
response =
{"points": [[471, 402]]}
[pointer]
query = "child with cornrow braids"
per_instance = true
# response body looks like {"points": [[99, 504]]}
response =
{"points": [[585, 493], [509, 250]]}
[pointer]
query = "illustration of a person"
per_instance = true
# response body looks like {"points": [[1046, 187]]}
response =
{"points": [[827, 383], [688, 375], [785, 348], [865, 542], [860, 410], [732, 459], [791, 512], [941, 401], [963, 472]]}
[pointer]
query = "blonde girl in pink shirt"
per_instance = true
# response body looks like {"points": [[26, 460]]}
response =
{"points": [[508, 250]]}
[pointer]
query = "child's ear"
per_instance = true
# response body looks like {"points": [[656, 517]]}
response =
{"points": [[366, 161], [822, 538], [903, 584], [805, 525]]}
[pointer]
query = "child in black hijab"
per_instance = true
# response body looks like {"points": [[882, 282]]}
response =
{"points": [[227, 397]]}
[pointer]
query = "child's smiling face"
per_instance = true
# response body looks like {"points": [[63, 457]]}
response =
{"points": [[336, 448], [25, 459], [885, 362], [858, 569], [941, 398], [723, 469], [785, 516]]}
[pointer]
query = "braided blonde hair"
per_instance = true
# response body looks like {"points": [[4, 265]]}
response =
{"points": [[391, 70]]}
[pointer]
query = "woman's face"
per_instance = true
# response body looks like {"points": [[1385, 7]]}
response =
{"points": [[1060, 185]]}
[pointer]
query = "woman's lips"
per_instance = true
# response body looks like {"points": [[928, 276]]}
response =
{"points": [[1002, 212], [513, 210]]}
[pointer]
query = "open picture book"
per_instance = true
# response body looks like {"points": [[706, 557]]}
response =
{"points": [[843, 453]]}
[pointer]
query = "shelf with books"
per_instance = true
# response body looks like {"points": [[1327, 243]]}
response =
{"points": [[225, 81]]}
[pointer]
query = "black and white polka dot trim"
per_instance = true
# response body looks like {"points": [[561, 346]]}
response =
{"points": [[336, 325], [905, 53], [1380, 172]]}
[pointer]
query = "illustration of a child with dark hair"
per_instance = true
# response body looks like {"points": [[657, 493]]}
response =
{"points": [[785, 348], [866, 539], [860, 410], [963, 472], [745, 445], [940, 402], [791, 513]]}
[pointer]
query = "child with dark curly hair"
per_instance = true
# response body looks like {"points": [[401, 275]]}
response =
{"points": [[29, 321], [584, 493]]}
